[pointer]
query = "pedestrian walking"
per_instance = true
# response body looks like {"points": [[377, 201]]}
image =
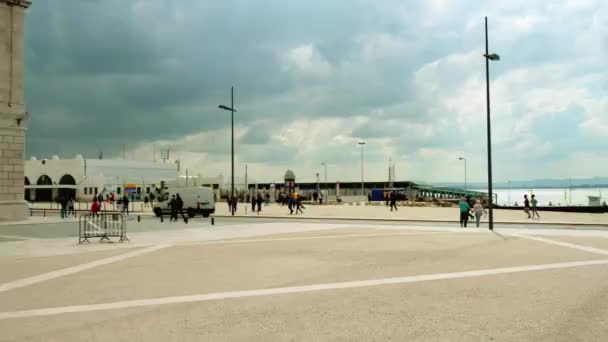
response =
{"points": [[369, 198], [267, 199], [299, 206], [146, 201], [478, 210], [534, 203], [393, 200], [527, 206], [259, 201], [464, 212], [253, 203], [290, 204]]}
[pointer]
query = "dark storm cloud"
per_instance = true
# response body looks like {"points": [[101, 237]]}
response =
{"points": [[163, 68]]}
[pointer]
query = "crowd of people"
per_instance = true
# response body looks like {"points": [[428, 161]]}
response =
{"points": [[67, 204]]}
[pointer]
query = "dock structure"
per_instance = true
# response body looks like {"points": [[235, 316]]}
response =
{"points": [[429, 192], [353, 189]]}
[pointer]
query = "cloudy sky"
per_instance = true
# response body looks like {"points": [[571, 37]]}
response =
{"points": [[314, 77]]}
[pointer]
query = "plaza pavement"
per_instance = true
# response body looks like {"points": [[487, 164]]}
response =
{"points": [[381, 212], [407, 213], [302, 281]]}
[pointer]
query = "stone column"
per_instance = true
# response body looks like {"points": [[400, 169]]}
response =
{"points": [[13, 116]]}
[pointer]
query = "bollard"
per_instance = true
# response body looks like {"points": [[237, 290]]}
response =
{"points": [[138, 218], [161, 218], [212, 220]]}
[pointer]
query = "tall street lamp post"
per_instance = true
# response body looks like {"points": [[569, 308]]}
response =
{"points": [[465, 172], [489, 57], [361, 143], [232, 111]]}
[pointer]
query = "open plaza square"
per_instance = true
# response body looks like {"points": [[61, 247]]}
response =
{"points": [[276, 280]]}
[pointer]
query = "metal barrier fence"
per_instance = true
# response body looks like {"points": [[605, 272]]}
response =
{"points": [[102, 226]]}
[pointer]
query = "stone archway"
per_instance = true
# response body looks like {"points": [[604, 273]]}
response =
{"points": [[67, 192], [44, 195]]}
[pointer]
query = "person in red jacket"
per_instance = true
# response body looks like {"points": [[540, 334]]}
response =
{"points": [[95, 207]]}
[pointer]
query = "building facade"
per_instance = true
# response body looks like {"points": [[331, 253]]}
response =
{"points": [[13, 116], [80, 178]]}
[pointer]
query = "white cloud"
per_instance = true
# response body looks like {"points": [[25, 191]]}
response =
{"points": [[305, 61]]}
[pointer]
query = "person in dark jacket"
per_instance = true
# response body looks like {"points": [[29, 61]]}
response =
{"points": [[259, 201], [393, 199], [179, 205], [253, 203], [235, 203], [173, 207], [290, 204], [125, 203]]}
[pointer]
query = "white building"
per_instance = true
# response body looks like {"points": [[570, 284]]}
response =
{"points": [[48, 178]]}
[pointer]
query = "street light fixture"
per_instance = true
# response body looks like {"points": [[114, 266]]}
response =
{"points": [[232, 111], [465, 172], [489, 57], [361, 143]]}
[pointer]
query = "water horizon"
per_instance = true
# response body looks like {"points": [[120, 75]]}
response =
{"points": [[549, 196]]}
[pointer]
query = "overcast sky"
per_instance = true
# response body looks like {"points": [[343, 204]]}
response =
{"points": [[314, 77]]}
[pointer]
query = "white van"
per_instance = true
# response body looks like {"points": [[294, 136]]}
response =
{"points": [[197, 200]]}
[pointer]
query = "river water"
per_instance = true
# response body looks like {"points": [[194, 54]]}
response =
{"points": [[556, 197]]}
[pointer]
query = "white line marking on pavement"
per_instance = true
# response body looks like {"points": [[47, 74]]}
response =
{"points": [[563, 244], [288, 290], [75, 269], [221, 242], [15, 237]]}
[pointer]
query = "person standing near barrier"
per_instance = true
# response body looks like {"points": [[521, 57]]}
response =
{"points": [[173, 208], [95, 206], [464, 212], [71, 211], [63, 203], [125, 203]]}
